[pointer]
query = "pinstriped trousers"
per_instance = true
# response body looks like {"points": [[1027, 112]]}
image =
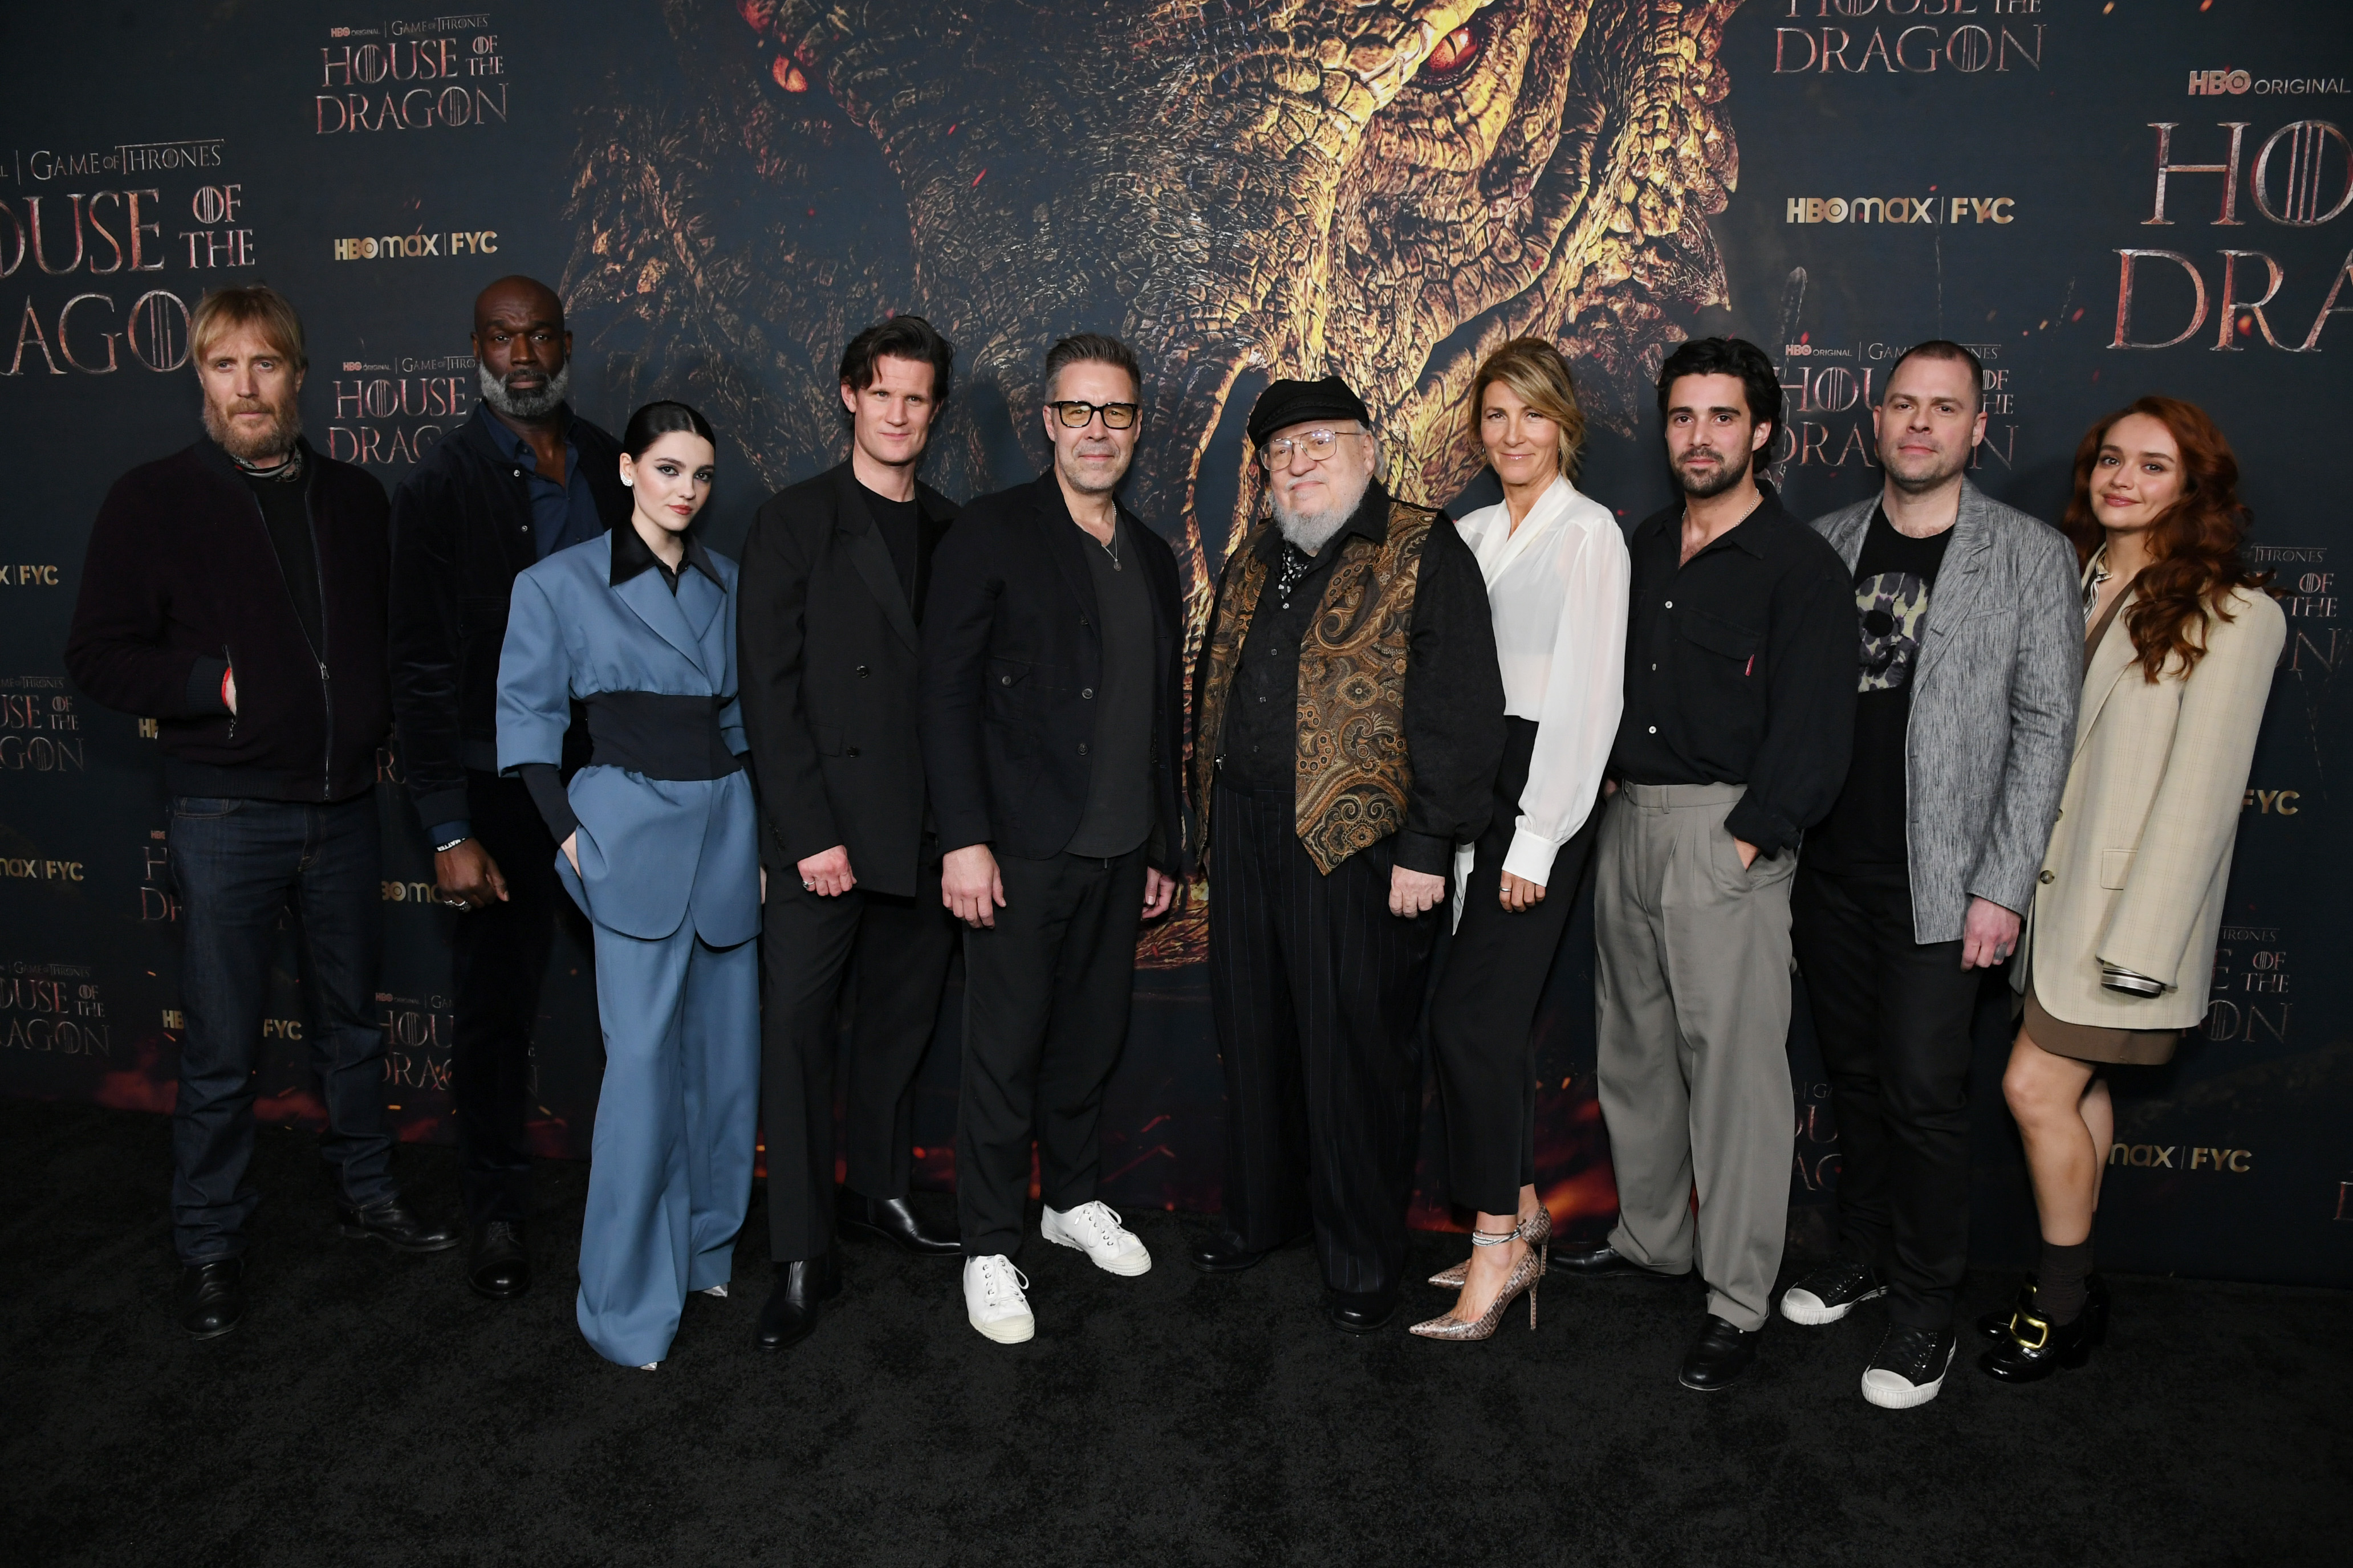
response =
{"points": [[1316, 990]]}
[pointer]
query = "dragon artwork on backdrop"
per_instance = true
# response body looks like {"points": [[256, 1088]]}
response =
{"points": [[1241, 189]]}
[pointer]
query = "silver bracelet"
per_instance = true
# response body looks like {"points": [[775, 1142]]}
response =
{"points": [[2131, 982], [445, 848]]}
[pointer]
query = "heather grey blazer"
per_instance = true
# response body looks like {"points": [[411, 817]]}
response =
{"points": [[1993, 707]]}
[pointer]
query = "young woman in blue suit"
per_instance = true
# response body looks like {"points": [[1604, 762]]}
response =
{"points": [[659, 847]]}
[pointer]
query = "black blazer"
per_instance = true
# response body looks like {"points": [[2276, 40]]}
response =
{"points": [[1009, 644], [827, 657], [182, 582], [461, 529]]}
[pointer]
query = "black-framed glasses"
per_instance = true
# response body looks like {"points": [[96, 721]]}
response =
{"points": [[1079, 416]]}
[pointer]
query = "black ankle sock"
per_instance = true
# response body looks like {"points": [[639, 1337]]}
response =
{"points": [[2059, 1287]]}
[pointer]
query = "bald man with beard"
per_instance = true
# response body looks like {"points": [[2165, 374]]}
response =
{"points": [[520, 479]]}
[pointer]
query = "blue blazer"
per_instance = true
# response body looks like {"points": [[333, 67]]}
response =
{"points": [[652, 851]]}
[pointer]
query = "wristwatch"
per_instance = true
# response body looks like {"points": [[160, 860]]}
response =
{"points": [[2116, 977]]}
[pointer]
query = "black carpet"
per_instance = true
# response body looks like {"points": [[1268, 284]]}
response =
{"points": [[372, 1410]]}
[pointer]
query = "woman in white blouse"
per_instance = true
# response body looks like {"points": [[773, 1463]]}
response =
{"points": [[1557, 573]]}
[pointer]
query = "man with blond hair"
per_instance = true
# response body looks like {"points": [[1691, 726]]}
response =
{"points": [[234, 593]]}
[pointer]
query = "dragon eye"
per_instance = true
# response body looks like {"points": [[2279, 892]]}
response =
{"points": [[1453, 52]]}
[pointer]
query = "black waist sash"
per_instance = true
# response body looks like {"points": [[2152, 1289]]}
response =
{"points": [[658, 736]]}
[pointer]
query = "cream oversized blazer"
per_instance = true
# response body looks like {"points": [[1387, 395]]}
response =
{"points": [[2139, 858]]}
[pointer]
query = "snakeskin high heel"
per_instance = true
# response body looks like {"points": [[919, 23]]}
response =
{"points": [[1536, 1231], [1453, 1279]]}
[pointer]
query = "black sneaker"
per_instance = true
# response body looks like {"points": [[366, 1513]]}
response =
{"points": [[1831, 1293], [1910, 1366]]}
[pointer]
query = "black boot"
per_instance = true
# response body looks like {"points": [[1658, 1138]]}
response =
{"points": [[212, 1297], [499, 1265], [391, 1222], [892, 1220], [795, 1305], [2032, 1348]]}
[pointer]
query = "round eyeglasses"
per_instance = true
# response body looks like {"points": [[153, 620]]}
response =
{"points": [[1079, 416]]}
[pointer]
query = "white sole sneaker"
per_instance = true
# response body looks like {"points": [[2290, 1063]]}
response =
{"points": [[994, 1282], [1127, 1264], [1802, 1306], [1006, 1330], [1889, 1392]]}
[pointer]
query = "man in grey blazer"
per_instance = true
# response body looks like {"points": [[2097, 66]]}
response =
{"points": [[1971, 656]]}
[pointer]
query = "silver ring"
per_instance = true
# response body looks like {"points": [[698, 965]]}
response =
{"points": [[456, 903], [810, 886]]}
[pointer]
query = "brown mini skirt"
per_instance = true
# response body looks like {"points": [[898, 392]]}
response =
{"points": [[2090, 1043]]}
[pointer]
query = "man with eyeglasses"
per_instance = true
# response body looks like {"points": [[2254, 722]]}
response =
{"points": [[1051, 712], [1349, 721]]}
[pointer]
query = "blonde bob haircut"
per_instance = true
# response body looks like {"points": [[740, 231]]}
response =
{"points": [[1537, 374], [256, 305]]}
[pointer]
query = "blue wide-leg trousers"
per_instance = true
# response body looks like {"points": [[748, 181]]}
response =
{"points": [[670, 1171]]}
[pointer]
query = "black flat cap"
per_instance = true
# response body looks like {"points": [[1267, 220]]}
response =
{"points": [[1285, 403]]}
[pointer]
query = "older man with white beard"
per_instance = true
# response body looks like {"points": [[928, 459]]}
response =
{"points": [[1348, 717]]}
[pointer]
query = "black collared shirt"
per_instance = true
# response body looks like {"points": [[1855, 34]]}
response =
{"points": [[1453, 686], [632, 555], [1740, 669], [561, 514]]}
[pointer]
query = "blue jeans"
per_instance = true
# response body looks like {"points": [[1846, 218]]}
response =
{"points": [[238, 864]]}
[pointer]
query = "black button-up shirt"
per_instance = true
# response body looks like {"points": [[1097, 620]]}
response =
{"points": [[563, 514], [1740, 669], [1453, 686]]}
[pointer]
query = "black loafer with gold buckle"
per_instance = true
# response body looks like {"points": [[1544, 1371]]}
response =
{"points": [[2033, 1347]]}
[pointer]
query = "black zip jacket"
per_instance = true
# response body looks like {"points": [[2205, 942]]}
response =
{"points": [[181, 582], [462, 529]]}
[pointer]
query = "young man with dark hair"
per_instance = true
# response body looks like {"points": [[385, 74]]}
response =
{"points": [[1052, 698], [1966, 665], [1739, 704], [835, 571], [234, 592], [521, 479]]}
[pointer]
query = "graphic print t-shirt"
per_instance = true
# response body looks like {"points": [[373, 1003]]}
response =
{"points": [[1892, 578]]}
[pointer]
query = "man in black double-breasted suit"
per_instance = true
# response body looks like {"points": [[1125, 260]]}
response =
{"points": [[1051, 714], [834, 573]]}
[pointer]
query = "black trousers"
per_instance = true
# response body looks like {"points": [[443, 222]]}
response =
{"points": [[498, 958], [1045, 1017], [901, 947], [1316, 990], [1893, 1018], [1483, 1021]]}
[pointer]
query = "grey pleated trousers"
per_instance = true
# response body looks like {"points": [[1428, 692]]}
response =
{"points": [[1691, 1003]]}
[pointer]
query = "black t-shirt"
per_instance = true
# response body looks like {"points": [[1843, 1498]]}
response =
{"points": [[1118, 814], [286, 510], [1893, 579], [897, 521]]}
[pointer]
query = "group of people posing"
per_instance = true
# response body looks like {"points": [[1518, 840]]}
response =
{"points": [[1888, 749]]}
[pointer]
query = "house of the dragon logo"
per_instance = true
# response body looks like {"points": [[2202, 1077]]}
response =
{"points": [[1377, 188]]}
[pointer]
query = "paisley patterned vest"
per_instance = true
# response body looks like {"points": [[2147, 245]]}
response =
{"points": [[1353, 773]]}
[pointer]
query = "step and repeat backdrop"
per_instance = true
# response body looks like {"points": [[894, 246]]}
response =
{"points": [[2103, 198]]}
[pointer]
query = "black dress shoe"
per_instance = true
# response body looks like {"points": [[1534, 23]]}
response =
{"points": [[390, 1221], [2032, 1348], [1226, 1253], [498, 1265], [798, 1301], [1718, 1356], [1605, 1262], [212, 1296], [1359, 1314], [890, 1219]]}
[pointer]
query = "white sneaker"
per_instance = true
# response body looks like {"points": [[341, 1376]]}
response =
{"points": [[993, 1299], [1094, 1229]]}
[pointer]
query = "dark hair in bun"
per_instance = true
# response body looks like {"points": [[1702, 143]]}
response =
{"points": [[656, 420]]}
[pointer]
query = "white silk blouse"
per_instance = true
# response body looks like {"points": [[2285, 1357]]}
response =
{"points": [[1557, 586]]}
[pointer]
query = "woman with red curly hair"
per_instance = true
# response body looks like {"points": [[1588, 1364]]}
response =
{"points": [[2179, 644]]}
